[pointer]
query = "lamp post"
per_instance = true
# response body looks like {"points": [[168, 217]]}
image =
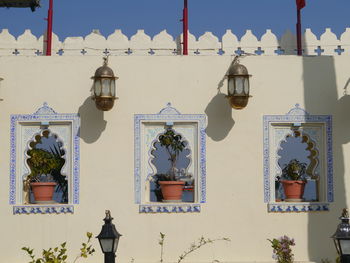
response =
{"points": [[238, 86], [109, 238], [104, 87], [341, 238]]}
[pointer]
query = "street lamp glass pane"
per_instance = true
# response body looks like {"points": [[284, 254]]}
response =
{"points": [[97, 87], [113, 91], [239, 85], [115, 244], [246, 86], [345, 246], [106, 83], [106, 245]]}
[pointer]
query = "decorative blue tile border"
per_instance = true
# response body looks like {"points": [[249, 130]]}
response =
{"points": [[286, 207], [47, 209], [169, 114], [46, 114], [298, 116], [178, 208]]}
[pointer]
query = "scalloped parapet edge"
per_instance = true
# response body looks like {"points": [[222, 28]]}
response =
{"points": [[328, 43]]}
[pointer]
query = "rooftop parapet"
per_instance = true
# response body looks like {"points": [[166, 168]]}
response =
{"points": [[95, 44]]}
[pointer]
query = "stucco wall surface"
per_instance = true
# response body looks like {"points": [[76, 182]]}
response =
{"points": [[235, 205]]}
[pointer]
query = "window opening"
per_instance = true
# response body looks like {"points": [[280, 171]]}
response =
{"points": [[45, 154], [171, 162], [298, 146]]}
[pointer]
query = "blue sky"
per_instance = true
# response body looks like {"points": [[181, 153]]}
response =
{"points": [[79, 17]]}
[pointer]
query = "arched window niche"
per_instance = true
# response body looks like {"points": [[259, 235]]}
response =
{"points": [[297, 145], [306, 138], [152, 161], [53, 132], [52, 145], [161, 166]]}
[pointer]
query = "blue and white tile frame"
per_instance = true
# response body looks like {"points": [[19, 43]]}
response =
{"points": [[44, 115], [298, 116], [169, 114]]}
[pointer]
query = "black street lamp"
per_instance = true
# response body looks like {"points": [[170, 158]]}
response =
{"points": [[109, 238], [341, 237]]}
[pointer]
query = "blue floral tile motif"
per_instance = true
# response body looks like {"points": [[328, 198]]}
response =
{"points": [[170, 208], [297, 116], [171, 115], [44, 114], [34, 209], [283, 207]]}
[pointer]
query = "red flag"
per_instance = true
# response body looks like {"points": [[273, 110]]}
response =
{"points": [[300, 4]]}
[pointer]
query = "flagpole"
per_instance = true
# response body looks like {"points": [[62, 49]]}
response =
{"points": [[299, 44], [185, 29], [49, 29]]}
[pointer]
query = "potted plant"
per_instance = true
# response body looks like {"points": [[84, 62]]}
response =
{"points": [[170, 183], [294, 180], [42, 164]]}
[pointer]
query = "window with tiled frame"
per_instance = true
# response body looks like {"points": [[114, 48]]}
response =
{"points": [[25, 130]]}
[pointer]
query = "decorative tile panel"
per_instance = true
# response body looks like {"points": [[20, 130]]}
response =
{"points": [[144, 138], [164, 208], [22, 129], [296, 116], [47, 209], [287, 207]]}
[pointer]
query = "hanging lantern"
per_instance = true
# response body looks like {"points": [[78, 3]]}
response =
{"points": [[104, 87], [20, 3], [238, 86]]}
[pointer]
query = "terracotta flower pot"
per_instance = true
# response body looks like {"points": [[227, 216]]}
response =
{"points": [[172, 190], [293, 190], [43, 191]]}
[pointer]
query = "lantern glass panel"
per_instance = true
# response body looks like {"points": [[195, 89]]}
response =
{"points": [[106, 84], [98, 87], [113, 90], [246, 86], [336, 243], [231, 86], [115, 244], [345, 246], [107, 245], [239, 81]]}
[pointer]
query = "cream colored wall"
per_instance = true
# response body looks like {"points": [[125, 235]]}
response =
{"points": [[235, 206]]}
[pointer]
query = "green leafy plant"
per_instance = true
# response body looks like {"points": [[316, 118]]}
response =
{"points": [[62, 183], [294, 170], [193, 247], [42, 163], [59, 254], [173, 144], [282, 251]]}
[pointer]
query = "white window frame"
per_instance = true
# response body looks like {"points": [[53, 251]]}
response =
{"points": [[23, 129], [298, 117], [143, 142]]}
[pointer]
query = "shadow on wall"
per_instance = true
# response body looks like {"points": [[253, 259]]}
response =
{"points": [[321, 97], [92, 121], [220, 120]]}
